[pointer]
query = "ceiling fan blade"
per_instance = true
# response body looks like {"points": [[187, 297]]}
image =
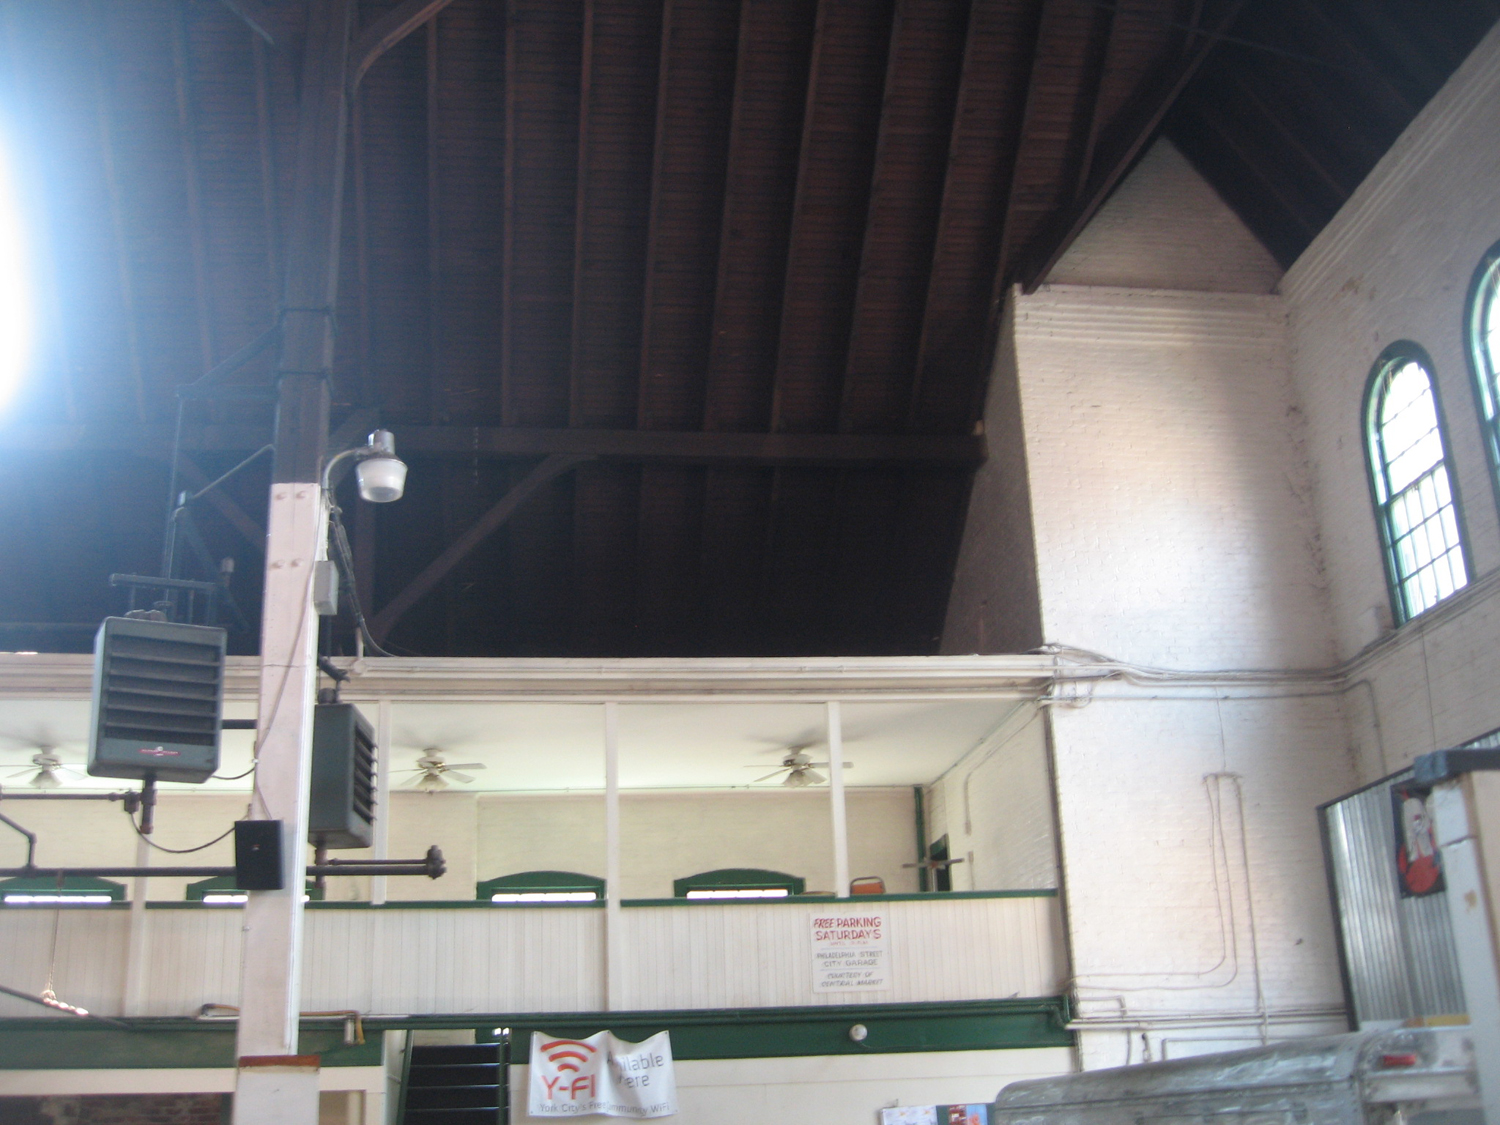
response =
{"points": [[18, 773], [768, 777], [456, 776], [464, 766], [813, 777]]}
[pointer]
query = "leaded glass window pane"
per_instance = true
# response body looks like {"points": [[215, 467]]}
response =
{"points": [[1413, 492]]}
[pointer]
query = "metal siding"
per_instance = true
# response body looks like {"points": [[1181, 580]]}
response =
{"points": [[1399, 951]]}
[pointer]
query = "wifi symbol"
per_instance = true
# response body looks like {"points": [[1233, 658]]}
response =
{"points": [[560, 1051]]}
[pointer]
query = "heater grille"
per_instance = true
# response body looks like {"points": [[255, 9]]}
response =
{"points": [[341, 812], [158, 691]]}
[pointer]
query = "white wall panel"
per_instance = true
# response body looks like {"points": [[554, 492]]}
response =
{"points": [[540, 960], [742, 955]]}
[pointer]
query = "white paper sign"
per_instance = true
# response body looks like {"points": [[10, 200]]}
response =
{"points": [[601, 1074], [851, 951]]}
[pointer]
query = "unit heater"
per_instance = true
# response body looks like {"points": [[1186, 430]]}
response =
{"points": [[158, 691], [341, 813]]}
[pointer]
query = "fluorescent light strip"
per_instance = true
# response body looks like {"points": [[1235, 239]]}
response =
{"points": [[63, 898], [752, 892], [545, 896]]}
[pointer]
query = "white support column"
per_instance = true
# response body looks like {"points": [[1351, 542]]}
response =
{"points": [[1473, 935], [382, 842], [137, 956], [271, 959], [613, 960], [836, 800]]}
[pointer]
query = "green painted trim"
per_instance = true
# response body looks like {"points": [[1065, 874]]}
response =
{"points": [[727, 1033], [45, 884], [157, 1044], [753, 1033], [477, 904], [739, 879], [931, 896], [524, 881], [219, 884]]}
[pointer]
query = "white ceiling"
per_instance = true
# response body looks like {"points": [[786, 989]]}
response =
{"points": [[528, 746]]}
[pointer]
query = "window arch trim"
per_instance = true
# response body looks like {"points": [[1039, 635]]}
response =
{"points": [[1394, 356], [1484, 362]]}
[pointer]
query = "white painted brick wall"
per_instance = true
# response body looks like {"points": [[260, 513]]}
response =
{"points": [[1152, 932], [1153, 231], [995, 806], [1395, 263], [1171, 506]]}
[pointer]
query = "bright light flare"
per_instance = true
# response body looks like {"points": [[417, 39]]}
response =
{"points": [[16, 320]]}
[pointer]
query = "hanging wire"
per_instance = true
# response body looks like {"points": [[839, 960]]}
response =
{"points": [[177, 851], [346, 565]]}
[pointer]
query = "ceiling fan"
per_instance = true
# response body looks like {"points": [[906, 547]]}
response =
{"points": [[433, 773], [800, 769], [46, 763]]}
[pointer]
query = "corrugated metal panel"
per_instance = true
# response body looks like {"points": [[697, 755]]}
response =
{"points": [[1399, 951], [541, 960]]}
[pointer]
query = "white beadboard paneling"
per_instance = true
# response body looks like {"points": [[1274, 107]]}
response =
{"points": [[431, 960], [747, 955]]}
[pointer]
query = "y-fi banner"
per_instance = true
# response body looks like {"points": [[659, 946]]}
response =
{"points": [[601, 1074]]}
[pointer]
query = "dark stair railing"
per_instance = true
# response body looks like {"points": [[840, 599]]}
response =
{"points": [[454, 1085]]}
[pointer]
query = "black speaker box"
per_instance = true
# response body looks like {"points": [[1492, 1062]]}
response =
{"points": [[257, 855]]}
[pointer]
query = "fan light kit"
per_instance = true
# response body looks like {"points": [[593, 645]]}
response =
{"points": [[800, 769], [434, 773]]}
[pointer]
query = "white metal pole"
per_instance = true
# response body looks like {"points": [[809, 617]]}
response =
{"points": [[836, 795], [382, 842], [1474, 939], [136, 957], [613, 964]]}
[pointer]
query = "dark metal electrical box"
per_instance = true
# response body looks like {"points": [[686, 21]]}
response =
{"points": [[158, 700], [257, 855], [341, 812]]}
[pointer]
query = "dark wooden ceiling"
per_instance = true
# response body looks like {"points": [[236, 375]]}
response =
{"points": [[746, 256]]}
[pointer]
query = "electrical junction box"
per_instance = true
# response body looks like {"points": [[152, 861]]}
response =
{"points": [[257, 855], [158, 700], [341, 808]]}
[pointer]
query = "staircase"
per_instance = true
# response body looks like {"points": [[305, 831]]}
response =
{"points": [[458, 1085]]}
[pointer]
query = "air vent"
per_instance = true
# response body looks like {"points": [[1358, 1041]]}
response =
{"points": [[158, 696], [341, 811]]}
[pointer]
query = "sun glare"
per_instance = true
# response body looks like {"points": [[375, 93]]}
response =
{"points": [[15, 296]]}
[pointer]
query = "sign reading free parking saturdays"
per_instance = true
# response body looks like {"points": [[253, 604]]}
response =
{"points": [[851, 951]]}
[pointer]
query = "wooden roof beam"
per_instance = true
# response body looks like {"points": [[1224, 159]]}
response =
{"points": [[380, 36], [683, 446], [257, 16], [1138, 126]]}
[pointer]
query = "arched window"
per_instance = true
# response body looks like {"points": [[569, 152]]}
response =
{"points": [[1482, 325], [1414, 505], [739, 882]]}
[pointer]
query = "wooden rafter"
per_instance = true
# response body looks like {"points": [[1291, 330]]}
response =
{"points": [[689, 446], [187, 134], [125, 272], [1136, 127]]}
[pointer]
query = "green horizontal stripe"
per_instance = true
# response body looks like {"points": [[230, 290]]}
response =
{"points": [[64, 1044], [725, 1033], [472, 904]]}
